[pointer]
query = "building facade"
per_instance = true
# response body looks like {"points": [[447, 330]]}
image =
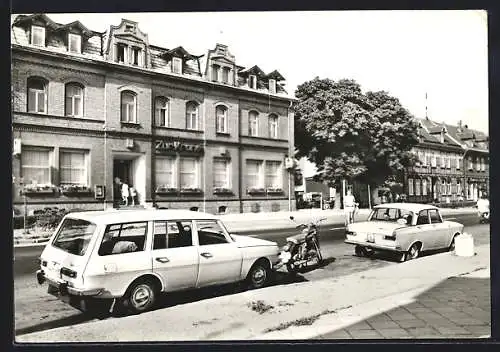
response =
{"points": [[453, 164], [186, 131]]}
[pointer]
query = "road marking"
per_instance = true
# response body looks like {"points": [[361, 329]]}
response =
{"points": [[253, 235], [450, 218], [337, 228]]}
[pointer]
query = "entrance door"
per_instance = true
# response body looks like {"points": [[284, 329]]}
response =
{"points": [[123, 170]]}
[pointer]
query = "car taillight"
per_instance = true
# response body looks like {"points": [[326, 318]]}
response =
{"points": [[68, 272], [350, 233]]}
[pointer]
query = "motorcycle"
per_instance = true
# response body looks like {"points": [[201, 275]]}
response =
{"points": [[302, 250], [484, 217]]}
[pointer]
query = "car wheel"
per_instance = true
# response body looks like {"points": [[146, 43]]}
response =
{"points": [[413, 252], [258, 276], [358, 250], [141, 297], [451, 248]]}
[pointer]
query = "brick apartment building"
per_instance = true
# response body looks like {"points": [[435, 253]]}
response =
{"points": [[187, 131]]}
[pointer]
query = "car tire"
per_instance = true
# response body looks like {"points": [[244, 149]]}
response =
{"points": [[140, 297], [451, 248], [358, 250], [363, 251], [413, 252], [259, 275]]}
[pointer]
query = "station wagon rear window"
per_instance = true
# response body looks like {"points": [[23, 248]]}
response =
{"points": [[74, 236]]}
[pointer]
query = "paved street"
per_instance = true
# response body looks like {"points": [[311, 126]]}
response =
{"points": [[37, 311]]}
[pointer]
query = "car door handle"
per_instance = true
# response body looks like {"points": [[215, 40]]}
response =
{"points": [[162, 259], [206, 255]]}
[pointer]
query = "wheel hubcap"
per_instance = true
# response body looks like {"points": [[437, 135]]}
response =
{"points": [[413, 252], [141, 296], [259, 276]]}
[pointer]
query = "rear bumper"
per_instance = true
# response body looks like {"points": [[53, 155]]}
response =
{"points": [[63, 288], [375, 246]]}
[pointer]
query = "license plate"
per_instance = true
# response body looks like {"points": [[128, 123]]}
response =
{"points": [[370, 238]]}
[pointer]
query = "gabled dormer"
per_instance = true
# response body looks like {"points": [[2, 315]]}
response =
{"points": [[275, 82], [221, 65], [254, 77], [75, 35], [126, 44], [38, 28], [178, 59]]}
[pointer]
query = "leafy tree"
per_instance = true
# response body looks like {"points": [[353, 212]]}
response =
{"points": [[351, 135]]}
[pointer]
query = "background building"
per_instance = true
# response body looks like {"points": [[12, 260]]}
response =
{"points": [[187, 131]]}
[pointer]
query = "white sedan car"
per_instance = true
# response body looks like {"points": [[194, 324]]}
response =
{"points": [[134, 255], [404, 228]]}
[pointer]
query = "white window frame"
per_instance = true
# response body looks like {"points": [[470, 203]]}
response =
{"points": [[424, 187], [192, 116], [173, 177], [458, 163], [478, 164], [162, 105], [410, 187], [273, 126], [443, 162], [279, 172], [125, 51], [227, 175], [253, 132], [27, 149], [449, 188], [130, 107], [177, 62], [133, 51], [470, 161], [85, 166], [37, 93], [418, 183], [78, 48], [252, 81], [448, 162], [483, 164], [73, 98], [196, 172], [225, 74], [260, 173], [216, 72], [272, 86], [42, 39], [433, 160], [221, 127]]}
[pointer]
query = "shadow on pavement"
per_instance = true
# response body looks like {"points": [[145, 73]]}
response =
{"points": [[458, 307], [53, 324]]}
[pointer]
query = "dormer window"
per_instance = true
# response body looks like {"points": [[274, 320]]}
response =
{"points": [[74, 43], [272, 86], [177, 65], [129, 28], [252, 82], [215, 73], [37, 36], [136, 57], [120, 53], [225, 75]]}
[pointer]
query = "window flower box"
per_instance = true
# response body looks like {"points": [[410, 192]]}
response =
{"points": [[38, 189], [256, 191], [166, 190], [222, 190], [274, 190], [190, 190], [70, 190]]}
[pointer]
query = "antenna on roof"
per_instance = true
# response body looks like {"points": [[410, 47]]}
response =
{"points": [[426, 117]]}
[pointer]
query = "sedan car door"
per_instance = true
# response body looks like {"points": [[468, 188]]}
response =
{"points": [[441, 230], [424, 231], [220, 258], [175, 258]]}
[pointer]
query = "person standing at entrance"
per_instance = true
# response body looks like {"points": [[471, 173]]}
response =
{"points": [[125, 193], [349, 207]]}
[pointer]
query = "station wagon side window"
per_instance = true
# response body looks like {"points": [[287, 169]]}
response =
{"points": [[172, 234], [124, 238], [210, 232], [423, 217], [435, 218]]}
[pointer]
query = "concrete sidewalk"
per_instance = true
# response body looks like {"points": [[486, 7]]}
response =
{"points": [[418, 299], [254, 221]]}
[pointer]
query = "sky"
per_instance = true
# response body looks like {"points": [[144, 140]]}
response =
{"points": [[406, 53]]}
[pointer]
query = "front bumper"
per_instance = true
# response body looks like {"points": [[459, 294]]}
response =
{"points": [[375, 246], [62, 288]]}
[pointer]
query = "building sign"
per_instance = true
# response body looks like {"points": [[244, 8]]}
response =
{"points": [[176, 146], [99, 191]]}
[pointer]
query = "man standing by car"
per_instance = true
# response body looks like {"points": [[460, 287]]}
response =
{"points": [[349, 207]]}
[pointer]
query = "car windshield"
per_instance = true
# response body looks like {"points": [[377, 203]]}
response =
{"points": [[74, 236], [391, 215]]}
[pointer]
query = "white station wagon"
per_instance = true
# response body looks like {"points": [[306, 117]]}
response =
{"points": [[405, 228], [134, 255]]}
